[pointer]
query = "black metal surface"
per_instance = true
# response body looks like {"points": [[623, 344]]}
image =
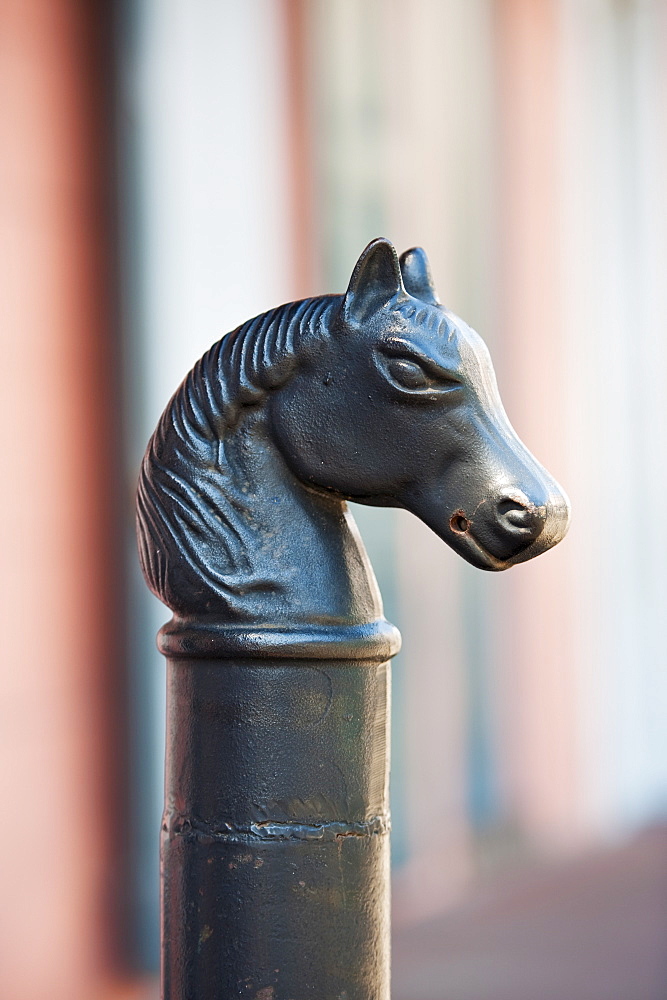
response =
{"points": [[274, 856], [275, 845]]}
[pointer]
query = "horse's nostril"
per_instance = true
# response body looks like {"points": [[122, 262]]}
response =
{"points": [[514, 514], [459, 523], [519, 518], [505, 505], [511, 506]]}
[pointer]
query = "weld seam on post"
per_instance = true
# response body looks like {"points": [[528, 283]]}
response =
{"points": [[276, 831]]}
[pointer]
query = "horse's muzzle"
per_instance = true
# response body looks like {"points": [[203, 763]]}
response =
{"points": [[509, 529]]}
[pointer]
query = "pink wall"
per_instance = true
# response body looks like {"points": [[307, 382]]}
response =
{"points": [[539, 690], [61, 743]]}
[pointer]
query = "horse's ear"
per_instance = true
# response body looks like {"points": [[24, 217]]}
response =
{"points": [[417, 276], [376, 280]]}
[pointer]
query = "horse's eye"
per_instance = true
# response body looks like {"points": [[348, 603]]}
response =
{"points": [[409, 374]]}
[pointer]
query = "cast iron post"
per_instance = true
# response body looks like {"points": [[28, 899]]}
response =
{"points": [[275, 856]]}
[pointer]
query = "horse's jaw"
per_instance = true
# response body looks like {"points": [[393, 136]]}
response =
{"points": [[302, 558]]}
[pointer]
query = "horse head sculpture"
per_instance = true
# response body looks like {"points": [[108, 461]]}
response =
{"points": [[275, 853], [381, 396]]}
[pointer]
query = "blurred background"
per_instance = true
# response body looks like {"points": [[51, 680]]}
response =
{"points": [[170, 168]]}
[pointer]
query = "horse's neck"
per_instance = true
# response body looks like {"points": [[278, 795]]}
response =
{"points": [[304, 559]]}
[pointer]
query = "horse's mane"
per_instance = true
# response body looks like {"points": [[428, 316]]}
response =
{"points": [[193, 512]]}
